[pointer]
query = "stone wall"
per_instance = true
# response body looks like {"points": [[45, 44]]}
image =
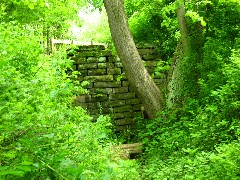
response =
{"points": [[109, 89]]}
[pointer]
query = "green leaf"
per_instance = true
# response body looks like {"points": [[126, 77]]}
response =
{"points": [[31, 6], [12, 172]]}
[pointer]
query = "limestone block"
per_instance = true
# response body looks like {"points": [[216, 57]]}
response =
{"points": [[112, 59], [94, 72], [125, 121], [79, 60], [128, 114], [113, 70], [94, 53], [148, 57], [120, 90], [83, 72], [121, 128], [107, 84], [102, 65], [128, 95], [93, 105], [100, 91], [87, 66], [115, 103], [110, 65], [107, 110], [98, 98], [80, 78], [137, 107], [125, 83], [83, 99], [92, 59], [150, 63], [122, 109], [118, 115], [137, 114], [90, 48], [94, 111], [102, 78], [118, 64], [133, 101]]}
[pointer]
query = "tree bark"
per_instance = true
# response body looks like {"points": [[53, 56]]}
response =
{"points": [[137, 74], [184, 73]]}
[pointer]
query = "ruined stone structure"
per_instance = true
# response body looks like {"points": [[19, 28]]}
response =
{"points": [[109, 90]]}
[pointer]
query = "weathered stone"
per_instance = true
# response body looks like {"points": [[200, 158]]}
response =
{"points": [[128, 95], [113, 103], [150, 63], [118, 115], [121, 128], [100, 91], [93, 105], [87, 66], [102, 97], [80, 78], [92, 59], [120, 90], [137, 107], [90, 47], [102, 65], [128, 114], [133, 101], [148, 57], [102, 78], [118, 64], [147, 51], [112, 59], [83, 98], [107, 84], [83, 72], [110, 65], [94, 53], [113, 70], [137, 114], [125, 83], [122, 109], [94, 111], [94, 72], [102, 59], [107, 110], [125, 121], [79, 60]]}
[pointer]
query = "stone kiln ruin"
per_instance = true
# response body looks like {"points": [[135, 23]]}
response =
{"points": [[109, 90]]}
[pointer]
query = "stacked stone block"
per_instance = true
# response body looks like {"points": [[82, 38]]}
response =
{"points": [[108, 86]]}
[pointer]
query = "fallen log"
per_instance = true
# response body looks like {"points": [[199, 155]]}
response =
{"points": [[124, 151]]}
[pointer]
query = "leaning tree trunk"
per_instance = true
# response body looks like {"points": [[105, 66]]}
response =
{"points": [[137, 74]]}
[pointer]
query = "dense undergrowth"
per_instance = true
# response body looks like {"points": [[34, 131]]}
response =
{"points": [[201, 139], [42, 135]]}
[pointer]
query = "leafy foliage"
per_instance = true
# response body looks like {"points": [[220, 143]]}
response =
{"points": [[42, 135], [201, 140]]}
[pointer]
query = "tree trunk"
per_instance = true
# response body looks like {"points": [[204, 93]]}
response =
{"points": [[137, 74], [177, 80]]}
